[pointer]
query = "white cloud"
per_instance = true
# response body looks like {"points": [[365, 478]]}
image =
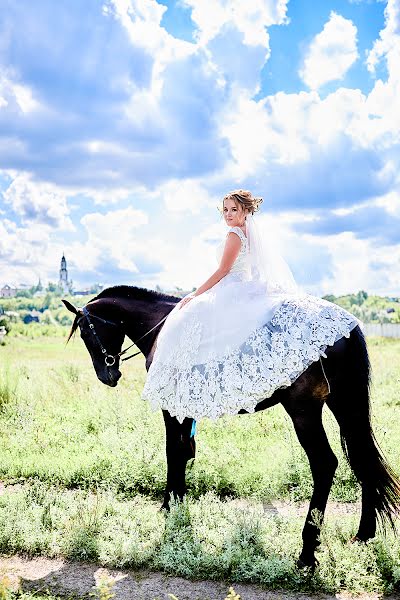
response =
{"points": [[125, 106], [250, 18], [331, 53], [16, 95], [108, 196], [235, 37], [353, 272], [337, 150], [142, 21], [38, 202], [186, 195], [383, 100], [116, 231], [25, 253], [114, 225], [391, 203], [388, 44]]}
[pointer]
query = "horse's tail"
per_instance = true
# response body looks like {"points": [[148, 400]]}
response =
{"points": [[350, 402]]}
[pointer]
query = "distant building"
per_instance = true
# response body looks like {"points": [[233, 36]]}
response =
{"points": [[63, 283], [7, 291]]}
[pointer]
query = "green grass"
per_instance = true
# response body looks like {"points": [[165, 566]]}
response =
{"points": [[59, 424], [88, 467]]}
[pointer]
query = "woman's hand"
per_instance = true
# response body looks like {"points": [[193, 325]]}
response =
{"points": [[185, 300]]}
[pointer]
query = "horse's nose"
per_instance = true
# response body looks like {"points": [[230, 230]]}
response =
{"points": [[114, 378], [109, 378]]}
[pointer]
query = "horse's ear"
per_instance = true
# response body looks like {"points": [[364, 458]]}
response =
{"points": [[70, 306]]}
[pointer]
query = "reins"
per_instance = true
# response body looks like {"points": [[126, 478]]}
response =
{"points": [[110, 359]]}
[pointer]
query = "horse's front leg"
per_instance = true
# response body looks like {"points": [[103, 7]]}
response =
{"points": [[180, 448], [306, 414]]}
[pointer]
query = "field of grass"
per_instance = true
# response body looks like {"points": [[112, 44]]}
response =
{"points": [[85, 466]]}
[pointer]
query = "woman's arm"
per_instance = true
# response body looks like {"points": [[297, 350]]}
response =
{"points": [[230, 254]]}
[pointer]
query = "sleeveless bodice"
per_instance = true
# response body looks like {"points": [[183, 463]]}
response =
{"points": [[241, 265]]}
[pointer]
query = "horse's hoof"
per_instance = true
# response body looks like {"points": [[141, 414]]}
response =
{"points": [[307, 564], [164, 507]]}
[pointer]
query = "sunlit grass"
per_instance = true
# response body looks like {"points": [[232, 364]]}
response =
{"points": [[85, 468], [59, 424]]}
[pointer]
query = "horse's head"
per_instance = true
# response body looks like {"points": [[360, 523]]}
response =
{"points": [[103, 337]]}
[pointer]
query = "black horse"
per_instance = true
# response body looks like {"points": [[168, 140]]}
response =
{"points": [[136, 313]]}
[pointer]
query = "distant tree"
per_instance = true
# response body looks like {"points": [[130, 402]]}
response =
{"points": [[329, 298], [353, 299], [24, 293], [65, 320], [361, 297], [51, 287], [46, 301]]}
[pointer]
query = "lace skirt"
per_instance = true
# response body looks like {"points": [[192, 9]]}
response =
{"points": [[234, 345]]}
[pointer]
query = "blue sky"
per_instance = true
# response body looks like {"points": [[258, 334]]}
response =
{"points": [[124, 122]]}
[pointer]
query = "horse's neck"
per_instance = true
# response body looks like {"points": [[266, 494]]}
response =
{"points": [[140, 317]]}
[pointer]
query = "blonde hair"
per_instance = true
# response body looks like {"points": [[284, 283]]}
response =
{"points": [[245, 199]]}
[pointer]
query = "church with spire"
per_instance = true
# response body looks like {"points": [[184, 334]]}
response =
{"points": [[64, 283]]}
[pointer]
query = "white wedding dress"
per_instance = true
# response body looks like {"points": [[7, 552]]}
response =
{"points": [[235, 344]]}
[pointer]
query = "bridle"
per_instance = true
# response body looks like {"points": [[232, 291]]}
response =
{"points": [[110, 359]]}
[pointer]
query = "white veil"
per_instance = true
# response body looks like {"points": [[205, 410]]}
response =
{"points": [[266, 263]]}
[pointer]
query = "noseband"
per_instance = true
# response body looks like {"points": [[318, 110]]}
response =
{"points": [[110, 359]]}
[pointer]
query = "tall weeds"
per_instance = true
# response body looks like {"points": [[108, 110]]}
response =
{"points": [[8, 389]]}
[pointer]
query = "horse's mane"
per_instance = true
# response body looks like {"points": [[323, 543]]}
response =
{"points": [[125, 292], [137, 293]]}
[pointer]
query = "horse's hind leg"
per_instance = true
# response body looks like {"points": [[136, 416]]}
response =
{"points": [[306, 414]]}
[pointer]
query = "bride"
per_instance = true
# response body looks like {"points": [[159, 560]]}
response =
{"points": [[247, 331]]}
